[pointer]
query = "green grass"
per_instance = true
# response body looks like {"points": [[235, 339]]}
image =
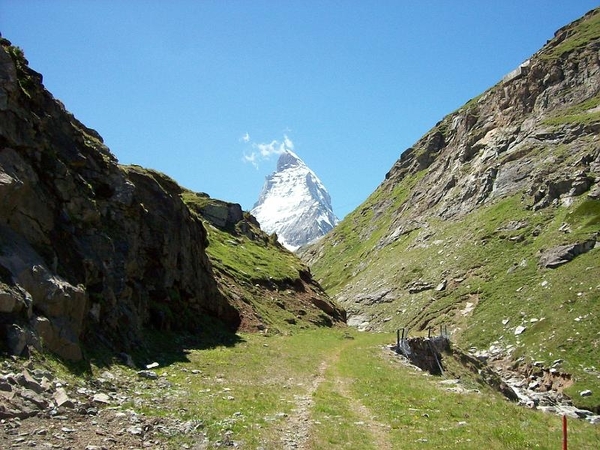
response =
{"points": [[418, 412], [587, 30], [585, 113], [247, 389], [249, 260], [354, 240], [496, 269], [362, 396]]}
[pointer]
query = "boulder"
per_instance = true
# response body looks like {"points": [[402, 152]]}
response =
{"points": [[557, 256]]}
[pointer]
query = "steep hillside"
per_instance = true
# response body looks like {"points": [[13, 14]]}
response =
{"points": [[490, 222], [97, 252], [269, 285]]}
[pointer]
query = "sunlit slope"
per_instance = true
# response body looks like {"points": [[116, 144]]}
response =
{"points": [[461, 229]]}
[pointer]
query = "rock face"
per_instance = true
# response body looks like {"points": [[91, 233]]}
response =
{"points": [[294, 204], [88, 247], [92, 251]]}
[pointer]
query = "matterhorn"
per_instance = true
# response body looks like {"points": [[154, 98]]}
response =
{"points": [[294, 204]]}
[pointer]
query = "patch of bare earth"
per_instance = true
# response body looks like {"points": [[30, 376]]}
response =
{"points": [[298, 425], [297, 431]]}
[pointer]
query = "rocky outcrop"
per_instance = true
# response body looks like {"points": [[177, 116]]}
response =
{"points": [[498, 206], [93, 251], [532, 136], [88, 248], [557, 256]]}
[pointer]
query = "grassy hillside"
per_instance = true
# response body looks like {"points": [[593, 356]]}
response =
{"points": [[270, 285], [455, 233]]}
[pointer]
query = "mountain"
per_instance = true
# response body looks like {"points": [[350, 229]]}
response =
{"points": [[294, 204], [489, 223], [95, 254]]}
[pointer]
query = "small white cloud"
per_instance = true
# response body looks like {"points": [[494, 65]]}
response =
{"points": [[288, 143], [245, 138], [264, 151]]}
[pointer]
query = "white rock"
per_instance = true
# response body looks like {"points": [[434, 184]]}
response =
{"points": [[101, 398], [520, 329]]}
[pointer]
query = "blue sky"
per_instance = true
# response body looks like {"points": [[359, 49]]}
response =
{"points": [[208, 91]]}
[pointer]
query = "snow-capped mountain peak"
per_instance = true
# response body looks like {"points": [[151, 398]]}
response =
{"points": [[294, 203]]}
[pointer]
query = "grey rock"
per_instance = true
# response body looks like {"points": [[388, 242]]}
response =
{"points": [[442, 286], [380, 296], [419, 286], [16, 339], [36, 399], [149, 374], [30, 383], [101, 398], [62, 399], [519, 330], [127, 360], [136, 431], [557, 256], [7, 302]]}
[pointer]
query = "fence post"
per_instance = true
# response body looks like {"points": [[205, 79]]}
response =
{"points": [[564, 432]]}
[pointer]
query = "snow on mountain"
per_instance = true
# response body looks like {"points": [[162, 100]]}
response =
{"points": [[294, 203]]}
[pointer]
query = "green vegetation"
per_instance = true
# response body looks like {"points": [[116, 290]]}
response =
{"points": [[353, 243], [489, 261], [247, 259], [584, 113], [266, 282], [332, 389], [195, 200], [250, 260], [585, 31]]}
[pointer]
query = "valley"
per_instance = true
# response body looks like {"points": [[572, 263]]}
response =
{"points": [[136, 313], [334, 388]]}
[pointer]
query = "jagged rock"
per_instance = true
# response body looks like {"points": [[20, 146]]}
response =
{"points": [[419, 286], [16, 339], [222, 214], [441, 286], [519, 143], [96, 250], [520, 330], [78, 232], [25, 379], [33, 397], [360, 321], [149, 374], [62, 399], [375, 297]]}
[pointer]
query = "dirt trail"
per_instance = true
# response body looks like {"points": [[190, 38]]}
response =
{"points": [[297, 431], [378, 430], [298, 426]]}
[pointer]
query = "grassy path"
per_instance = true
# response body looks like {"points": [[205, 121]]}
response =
{"points": [[338, 389], [298, 425]]}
